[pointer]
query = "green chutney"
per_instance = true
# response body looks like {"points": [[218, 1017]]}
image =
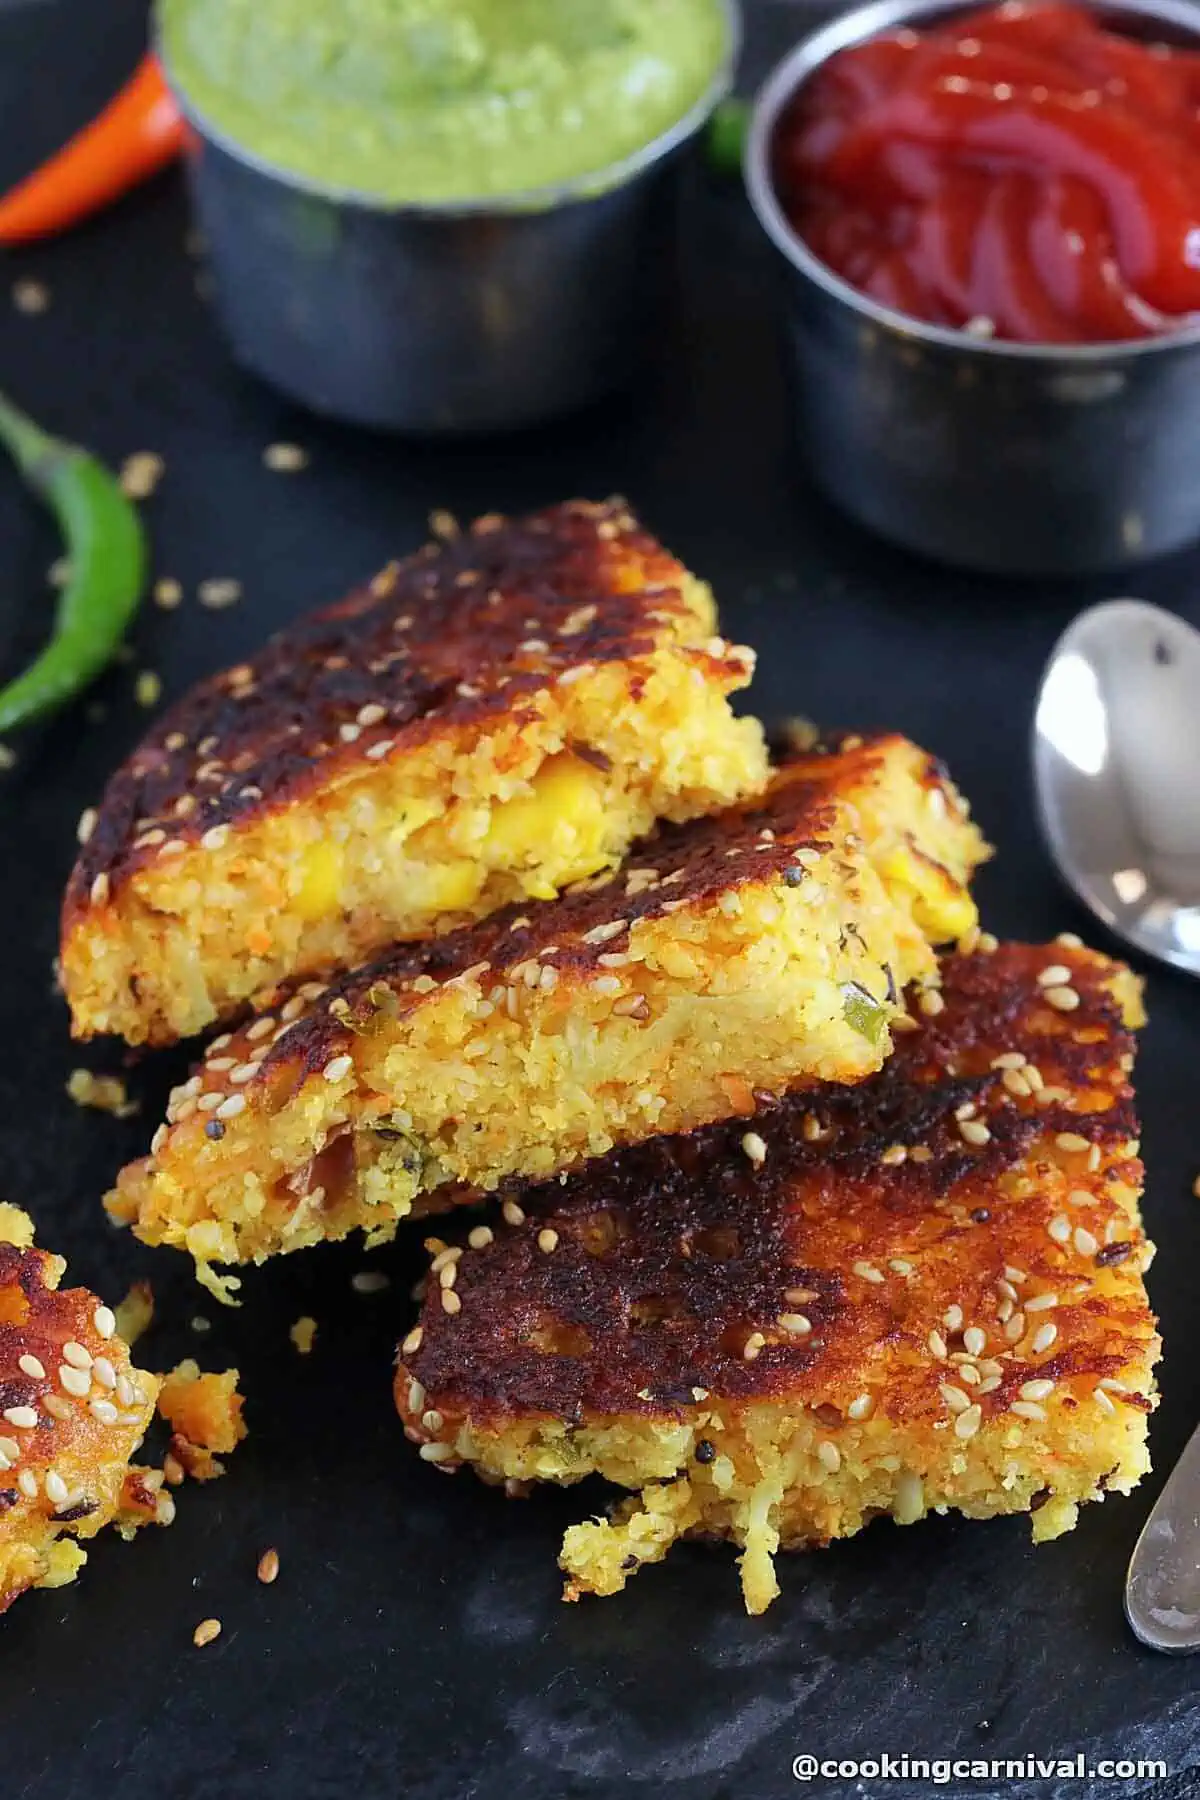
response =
{"points": [[442, 100]]}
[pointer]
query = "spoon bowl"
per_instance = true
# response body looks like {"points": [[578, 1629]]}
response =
{"points": [[1116, 756]]}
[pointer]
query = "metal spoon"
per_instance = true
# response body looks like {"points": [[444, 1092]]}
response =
{"points": [[1117, 768], [1116, 755]]}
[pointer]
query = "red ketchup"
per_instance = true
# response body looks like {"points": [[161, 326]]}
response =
{"points": [[1020, 171]]}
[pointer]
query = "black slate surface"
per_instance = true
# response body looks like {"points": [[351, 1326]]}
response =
{"points": [[414, 1643]]}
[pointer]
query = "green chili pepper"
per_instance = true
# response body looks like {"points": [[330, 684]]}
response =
{"points": [[727, 135], [863, 1013], [106, 550]]}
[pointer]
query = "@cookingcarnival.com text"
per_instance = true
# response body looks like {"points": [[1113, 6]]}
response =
{"points": [[944, 1769]]}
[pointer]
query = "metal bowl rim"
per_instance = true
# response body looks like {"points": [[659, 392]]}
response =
{"points": [[800, 64], [590, 186]]}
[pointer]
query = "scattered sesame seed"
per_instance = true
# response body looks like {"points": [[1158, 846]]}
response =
{"points": [[937, 1345], [988, 943], [87, 824], [285, 459], [369, 1281], [952, 1318], [860, 1407], [338, 1068], [29, 1365], [1027, 1409], [968, 1423], [1084, 1242], [1015, 1083], [1036, 1390], [1043, 1337], [30, 296], [894, 1155], [480, 1237], [147, 689], [1041, 1303], [450, 1301], [868, 1272], [1071, 1140], [797, 1324], [829, 1457], [753, 1346], [955, 1398], [412, 1342], [755, 1148], [512, 1213], [1102, 1399], [100, 889], [75, 1381], [76, 1355], [167, 593], [547, 1240], [218, 592], [140, 474], [205, 1632], [1055, 975], [23, 1417], [103, 1410], [104, 1372], [1059, 1228], [932, 1003], [56, 1488], [974, 1341], [974, 1131], [27, 1482], [1062, 999], [268, 1567], [435, 1453]]}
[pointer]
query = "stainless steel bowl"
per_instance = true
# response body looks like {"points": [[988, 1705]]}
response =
{"points": [[1013, 459], [443, 319]]}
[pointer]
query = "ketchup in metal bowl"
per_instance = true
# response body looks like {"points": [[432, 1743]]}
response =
{"points": [[1022, 172]]}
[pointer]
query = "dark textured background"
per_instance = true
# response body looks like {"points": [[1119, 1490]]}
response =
{"points": [[414, 1644]]}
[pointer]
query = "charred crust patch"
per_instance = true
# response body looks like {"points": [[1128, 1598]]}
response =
{"points": [[669, 1256], [449, 639]]}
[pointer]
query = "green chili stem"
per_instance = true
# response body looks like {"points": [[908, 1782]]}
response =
{"points": [[727, 135], [106, 550]]}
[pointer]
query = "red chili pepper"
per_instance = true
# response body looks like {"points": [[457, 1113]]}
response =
{"points": [[139, 132]]}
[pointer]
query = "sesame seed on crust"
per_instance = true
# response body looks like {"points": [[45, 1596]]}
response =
{"points": [[63, 1445], [322, 1100], [680, 1264], [344, 692]]}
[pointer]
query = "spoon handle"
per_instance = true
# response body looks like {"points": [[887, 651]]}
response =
{"points": [[1162, 1589]]}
